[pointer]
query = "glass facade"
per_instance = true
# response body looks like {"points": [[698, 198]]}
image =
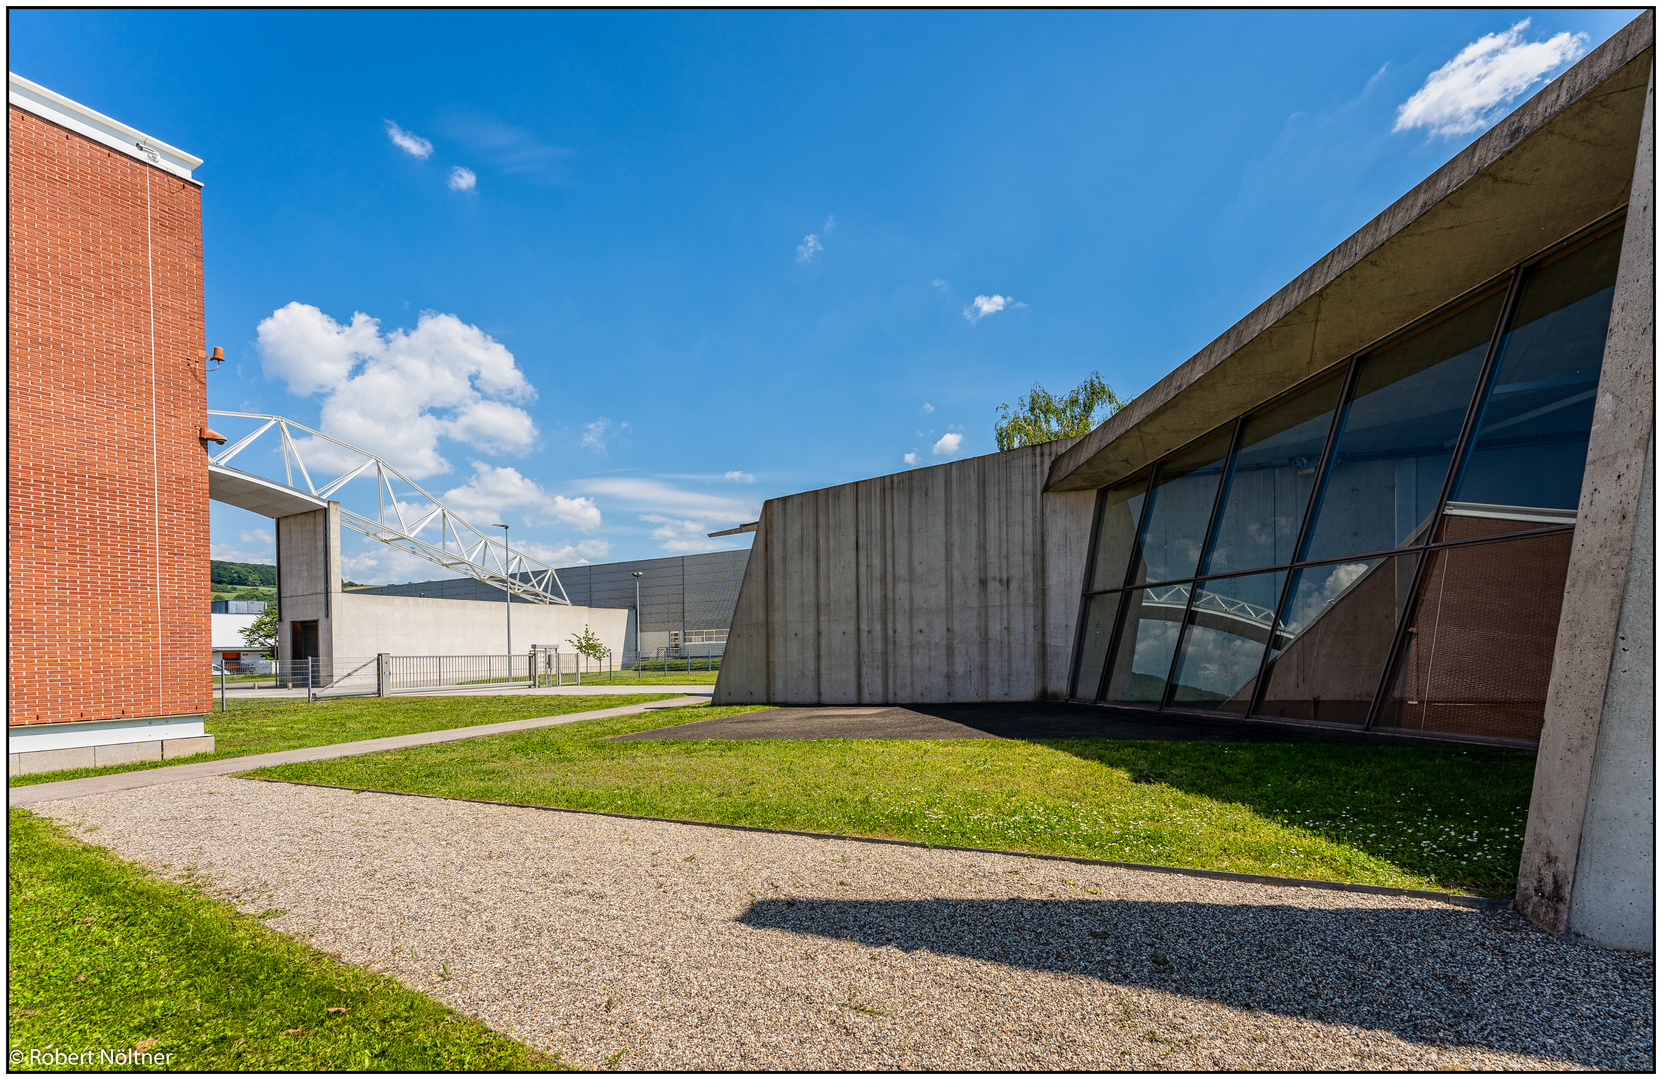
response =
{"points": [[1383, 547]]}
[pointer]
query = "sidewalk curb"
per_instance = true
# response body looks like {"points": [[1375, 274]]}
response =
{"points": [[29, 794]]}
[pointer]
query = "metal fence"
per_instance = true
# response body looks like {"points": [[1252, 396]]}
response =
{"points": [[386, 674]]}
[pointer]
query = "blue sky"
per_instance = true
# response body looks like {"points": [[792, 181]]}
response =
{"points": [[677, 263]]}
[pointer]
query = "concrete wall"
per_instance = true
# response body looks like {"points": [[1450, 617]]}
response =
{"points": [[308, 577], [365, 625], [1587, 866], [959, 582]]}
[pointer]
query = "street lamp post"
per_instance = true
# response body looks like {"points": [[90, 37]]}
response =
{"points": [[636, 574], [508, 593]]}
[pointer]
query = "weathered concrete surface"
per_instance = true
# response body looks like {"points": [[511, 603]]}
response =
{"points": [[1600, 703], [308, 576], [1614, 900], [1560, 161], [367, 624], [953, 583]]}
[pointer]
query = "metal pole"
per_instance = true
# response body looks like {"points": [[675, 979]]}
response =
{"points": [[222, 686], [508, 593], [636, 574]]}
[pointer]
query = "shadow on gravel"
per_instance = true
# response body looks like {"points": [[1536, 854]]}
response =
{"points": [[1437, 976]]}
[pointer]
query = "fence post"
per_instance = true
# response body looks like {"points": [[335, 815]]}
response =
{"points": [[383, 676], [222, 686]]}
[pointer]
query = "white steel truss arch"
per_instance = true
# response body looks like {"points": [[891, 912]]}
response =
{"points": [[404, 512]]}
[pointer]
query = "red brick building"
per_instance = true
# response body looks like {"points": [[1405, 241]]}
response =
{"points": [[107, 484]]}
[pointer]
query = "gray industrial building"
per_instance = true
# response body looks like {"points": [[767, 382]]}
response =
{"points": [[1410, 493], [686, 600]]}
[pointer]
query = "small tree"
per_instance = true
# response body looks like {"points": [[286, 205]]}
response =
{"points": [[1042, 416], [589, 645], [261, 634]]}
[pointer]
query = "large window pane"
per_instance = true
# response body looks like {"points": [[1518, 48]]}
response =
{"points": [[1121, 508], [1152, 619], [1228, 627], [1398, 434], [1093, 644], [1478, 656], [1334, 639], [1180, 508], [1269, 482], [1531, 442]]}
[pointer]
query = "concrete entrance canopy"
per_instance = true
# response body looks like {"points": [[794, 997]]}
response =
{"points": [[259, 495], [1563, 159]]}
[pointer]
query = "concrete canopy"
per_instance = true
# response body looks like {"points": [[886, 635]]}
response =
{"points": [[259, 495], [1560, 161]]}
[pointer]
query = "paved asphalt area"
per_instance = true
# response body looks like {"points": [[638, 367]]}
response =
{"points": [[1009, 720]]}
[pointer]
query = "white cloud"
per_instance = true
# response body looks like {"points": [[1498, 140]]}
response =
{"points": [[409, 142], [740, 477], [912, 458], [680, 536], [1465, 94], [567, 554], [809, 247], [948, 443], [383, 564], [494, 490], [462, 178], [989, 305], [830, 223], [596, 433], [655, 496], [397, 394], [513, 150], [939, 283], [928, 408]]}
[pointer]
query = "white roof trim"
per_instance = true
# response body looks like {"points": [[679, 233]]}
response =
{"points": [[96, 126]]}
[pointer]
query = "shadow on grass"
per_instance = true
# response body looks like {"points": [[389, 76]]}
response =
{"points": [[1438, 975]]}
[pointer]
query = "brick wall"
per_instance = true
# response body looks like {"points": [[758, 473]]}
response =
{"points": [[108, 525]]}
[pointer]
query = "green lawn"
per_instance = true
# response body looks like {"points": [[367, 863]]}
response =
{"points": [[1434, 818], [105, 956], [258, 727]]}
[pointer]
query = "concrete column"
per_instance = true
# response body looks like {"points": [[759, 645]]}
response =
{"points": [[1587, 867], [308, 577]]}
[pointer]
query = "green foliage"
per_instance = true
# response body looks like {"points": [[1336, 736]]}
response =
{"points": [[261, 634], [101, 954], [1042, 416], [1415, 817], [589, 644], [242, 573]]}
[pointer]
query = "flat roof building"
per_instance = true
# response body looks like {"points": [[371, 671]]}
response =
{"points": [[1410, 493]]}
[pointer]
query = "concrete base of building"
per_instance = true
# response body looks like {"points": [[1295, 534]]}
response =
{"points": [[92, 757], [37, 748]]}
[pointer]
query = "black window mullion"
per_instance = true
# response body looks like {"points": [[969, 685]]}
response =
{"points": [[1205, 550], [1325, 466], [1131, 565], [1462, 445], [1085, 592]]}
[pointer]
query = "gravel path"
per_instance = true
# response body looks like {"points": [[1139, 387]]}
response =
{"points": [[654, 946]]}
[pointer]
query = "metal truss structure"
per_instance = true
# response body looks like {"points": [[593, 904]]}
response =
{"points": [[404, 511]]}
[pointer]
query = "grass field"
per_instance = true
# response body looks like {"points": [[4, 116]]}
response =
{"points": [[1434, 818], [262, 727], [104, 956]]}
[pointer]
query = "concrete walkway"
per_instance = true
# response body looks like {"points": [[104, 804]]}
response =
{"points": [[172, 774], [274, 694]]}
